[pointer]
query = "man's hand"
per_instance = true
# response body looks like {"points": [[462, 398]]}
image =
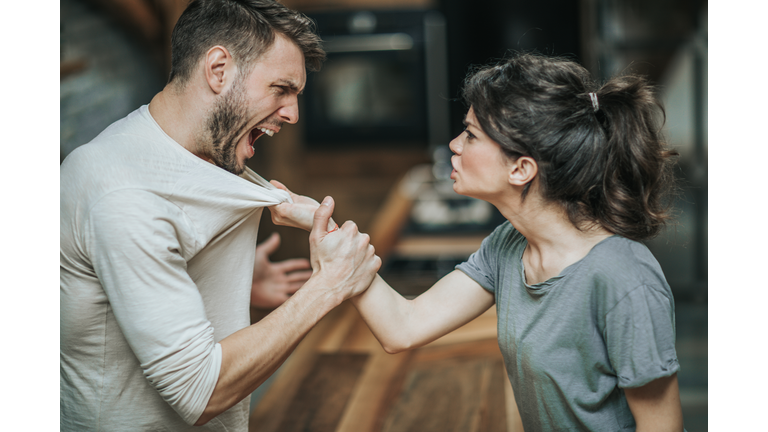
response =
{"points": [[298, 214], [344, 265], [273, 283], [342, 258]]}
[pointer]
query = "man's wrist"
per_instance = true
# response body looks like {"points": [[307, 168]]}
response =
{"points": [[325, 293]]}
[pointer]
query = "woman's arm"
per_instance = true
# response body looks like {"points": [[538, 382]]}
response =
{"points": [[400, 324], [656, 405], [298, 214]]}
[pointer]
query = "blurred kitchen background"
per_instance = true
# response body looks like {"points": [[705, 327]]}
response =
{"points": [[376, 121]]}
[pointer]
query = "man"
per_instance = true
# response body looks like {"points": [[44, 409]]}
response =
{"points": [[159, 217]]}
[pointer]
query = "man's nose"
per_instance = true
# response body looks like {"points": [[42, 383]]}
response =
{"points": [[290, 113]]}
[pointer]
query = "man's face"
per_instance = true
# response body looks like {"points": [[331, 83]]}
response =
{"points": [[256, 104]]}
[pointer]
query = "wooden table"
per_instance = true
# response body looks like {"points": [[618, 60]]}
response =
{"points": [[339, 379]]}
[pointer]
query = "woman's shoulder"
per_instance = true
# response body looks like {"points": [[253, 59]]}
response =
{"points": [[624, 265], [620, 251]]}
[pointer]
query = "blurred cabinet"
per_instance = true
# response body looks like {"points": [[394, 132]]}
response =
{"points": [[666, 41]]}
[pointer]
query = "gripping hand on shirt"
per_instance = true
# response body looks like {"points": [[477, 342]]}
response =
{"points": [[298, 214], [274, 282], [342, 259]]}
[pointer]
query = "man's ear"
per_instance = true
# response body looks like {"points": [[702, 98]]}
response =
{"points": [[219, 68], [523, 171]]}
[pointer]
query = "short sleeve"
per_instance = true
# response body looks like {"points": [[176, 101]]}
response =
{"points": [[483, 265], [640, 336], [136, 248]]}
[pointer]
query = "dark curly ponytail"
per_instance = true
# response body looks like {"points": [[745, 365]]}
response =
{"points": [[599, 150]]}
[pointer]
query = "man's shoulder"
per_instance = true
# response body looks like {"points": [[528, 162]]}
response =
{"points": [[123, 138], [116, 164], [132, 152]]}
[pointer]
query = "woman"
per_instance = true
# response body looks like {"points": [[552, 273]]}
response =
{"points": [[585, 315]]}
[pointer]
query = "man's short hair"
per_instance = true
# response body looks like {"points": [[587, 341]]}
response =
{"points": [[246, 28]]}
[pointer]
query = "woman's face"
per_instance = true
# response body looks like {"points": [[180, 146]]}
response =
{"points": [[480, 167]]}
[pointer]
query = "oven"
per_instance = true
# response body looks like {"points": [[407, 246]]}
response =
{"points": [[384, 81]]}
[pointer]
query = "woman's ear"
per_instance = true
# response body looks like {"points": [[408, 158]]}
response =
{"points": [[220, 68], [523, 171]]}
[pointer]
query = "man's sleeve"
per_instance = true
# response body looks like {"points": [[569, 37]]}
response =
{"points": [[137, 247]]}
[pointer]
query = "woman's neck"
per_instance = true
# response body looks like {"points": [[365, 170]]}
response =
{"points": [[554, 242]]}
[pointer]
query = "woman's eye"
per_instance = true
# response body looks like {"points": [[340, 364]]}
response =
{"points": [[469, 134]]}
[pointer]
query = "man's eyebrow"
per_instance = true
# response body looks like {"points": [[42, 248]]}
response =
{"points": [[290, 84]]}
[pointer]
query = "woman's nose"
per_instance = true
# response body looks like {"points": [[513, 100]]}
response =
{"points": [[455, 145]]}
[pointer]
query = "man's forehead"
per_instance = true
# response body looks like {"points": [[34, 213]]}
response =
{"points": [[282, 65], [285, 55]]}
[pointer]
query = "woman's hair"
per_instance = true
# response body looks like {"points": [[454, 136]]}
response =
{"points": [[246, 28], [599, 149]]}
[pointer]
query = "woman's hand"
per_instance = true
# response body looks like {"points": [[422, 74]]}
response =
{"points": [[299, 214]]}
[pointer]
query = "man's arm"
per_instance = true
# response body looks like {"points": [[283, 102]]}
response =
{"points": [[656, 405], [343, 263]]}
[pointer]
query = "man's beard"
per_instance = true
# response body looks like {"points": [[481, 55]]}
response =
{"points": [[226, 123]]}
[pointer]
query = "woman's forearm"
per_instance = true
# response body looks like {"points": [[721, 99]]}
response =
{"points": [[401, 324], [387, 314]]}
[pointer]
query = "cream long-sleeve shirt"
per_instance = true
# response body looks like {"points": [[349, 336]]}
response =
{"points": [[157, 249]]}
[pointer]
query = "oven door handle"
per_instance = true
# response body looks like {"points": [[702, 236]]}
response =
{"points": [[370, 42]]}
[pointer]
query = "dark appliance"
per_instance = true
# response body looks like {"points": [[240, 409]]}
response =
{"points": [[384, 81]]}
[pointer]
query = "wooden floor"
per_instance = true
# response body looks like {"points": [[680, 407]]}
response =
{"points": [[339, 379]]}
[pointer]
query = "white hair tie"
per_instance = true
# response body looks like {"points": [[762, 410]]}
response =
{"points": [[595, 105]]}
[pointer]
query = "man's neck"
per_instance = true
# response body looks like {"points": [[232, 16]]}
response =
{"points": [[179, 116]]}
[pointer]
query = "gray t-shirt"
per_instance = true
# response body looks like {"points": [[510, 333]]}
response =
{"points": [[572, 343]]}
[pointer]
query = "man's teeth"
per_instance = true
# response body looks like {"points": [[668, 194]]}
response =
{"points": [[269, 132]]}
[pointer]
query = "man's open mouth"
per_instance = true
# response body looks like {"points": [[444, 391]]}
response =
{"points": [[269, 132], [256, 133]]}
